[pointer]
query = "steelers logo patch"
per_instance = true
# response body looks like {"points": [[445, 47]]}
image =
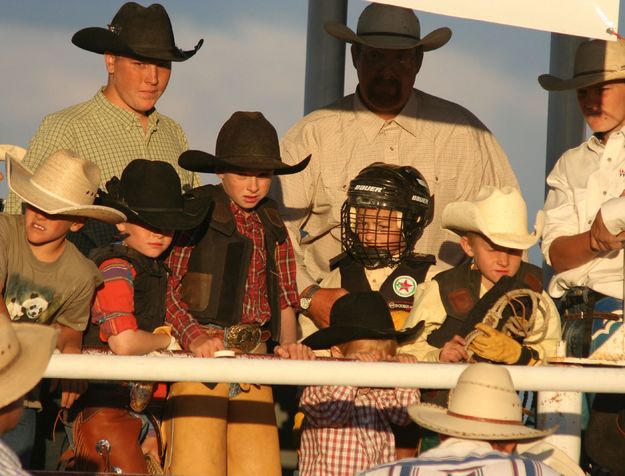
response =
{"points": [[404, 286]]}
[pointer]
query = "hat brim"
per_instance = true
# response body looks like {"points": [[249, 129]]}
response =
{"points": [[19, 179], [193, 213], [100, 40], [461, 217], [553, 83], [429, 42], [200, 161], [551, 456], [437, 419], [37, 343], [333, 335]]}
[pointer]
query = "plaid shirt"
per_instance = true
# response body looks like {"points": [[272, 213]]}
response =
{"points": [[255, 303], [111, 138], [347, 429]]}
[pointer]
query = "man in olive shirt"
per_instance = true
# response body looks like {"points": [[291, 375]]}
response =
{"points": [[120, 123]]}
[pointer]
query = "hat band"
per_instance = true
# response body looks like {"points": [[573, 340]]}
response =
{"points": [[485, 420], [390, 33], [599, 71]]}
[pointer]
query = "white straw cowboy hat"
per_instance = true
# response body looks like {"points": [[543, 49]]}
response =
{"points": [[550, 455], [15, 151], [25, 350], [596, 61], [483, 406], [498, 214], [64, 184], [389, 27]]}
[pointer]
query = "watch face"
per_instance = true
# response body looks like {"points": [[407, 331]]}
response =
{"points": [[304, 303]]}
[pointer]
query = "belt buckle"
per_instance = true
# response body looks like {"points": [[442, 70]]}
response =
{"points": [[242, 337]]}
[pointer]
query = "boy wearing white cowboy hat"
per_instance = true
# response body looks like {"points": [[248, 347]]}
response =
{"points": [[25, 350], [233, 287], [348, 429], [46, 280], [120, 123], [585, 232], [481, 426], [386, 120], [493, 233], [129, 309]]}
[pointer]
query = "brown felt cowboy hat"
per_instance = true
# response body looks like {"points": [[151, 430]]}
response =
{"points": [[64, 184], [389, 27], [149, 193], [136, 32], [247, 141], [25, 351], [483, 406], [596, 61], [360, 315]]}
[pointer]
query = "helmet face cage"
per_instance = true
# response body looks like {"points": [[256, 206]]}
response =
{"points": [[386, 211]]}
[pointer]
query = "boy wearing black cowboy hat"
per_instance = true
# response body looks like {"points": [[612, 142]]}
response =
{"points": [[121, 121], [129, 309], [233, 286], [348, 429], [45, 279]]}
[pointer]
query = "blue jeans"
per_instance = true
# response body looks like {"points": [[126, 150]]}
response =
{"points": [[21, 439]]}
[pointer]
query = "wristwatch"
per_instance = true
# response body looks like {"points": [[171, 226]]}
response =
{"points": [[306, 297]]}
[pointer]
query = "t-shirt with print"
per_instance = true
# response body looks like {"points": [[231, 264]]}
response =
{"points": [[40, 292]]}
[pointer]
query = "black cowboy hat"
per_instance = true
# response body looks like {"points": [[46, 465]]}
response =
{"points": [[136, 32], [361, 315], [247, 141], [149, 194]]}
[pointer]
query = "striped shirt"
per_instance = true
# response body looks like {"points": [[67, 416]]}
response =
{"points": [[453, 150], [9, 462], [110, 137], [347, 429], [459, 457]]}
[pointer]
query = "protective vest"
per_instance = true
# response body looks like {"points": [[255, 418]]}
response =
{"points": [[398, 289], [150, 287], [214, 285], [460, 293]]}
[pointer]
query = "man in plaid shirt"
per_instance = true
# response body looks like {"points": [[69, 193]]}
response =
{"points": [[232, 285]]}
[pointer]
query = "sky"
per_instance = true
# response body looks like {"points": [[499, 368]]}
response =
{"points": [[253, 58]]}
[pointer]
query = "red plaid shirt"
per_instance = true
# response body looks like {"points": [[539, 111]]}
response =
{"points": [[346, 429], [255, 302]]}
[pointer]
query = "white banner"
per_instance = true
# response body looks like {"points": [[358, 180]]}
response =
{"points": [[586, 18]]}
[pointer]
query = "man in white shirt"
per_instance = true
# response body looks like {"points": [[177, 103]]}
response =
{"points": [[584, 233], [480, 430]]}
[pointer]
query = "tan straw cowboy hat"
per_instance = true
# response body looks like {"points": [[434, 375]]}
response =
{"points": [[64, 184], [483, 406], [596, 61], [389, 27], [500, 214], [25, 350], [15, 151]]}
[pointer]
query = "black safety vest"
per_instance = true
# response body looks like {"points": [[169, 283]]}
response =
{"points": [[214, 284], [398, 293], [460, 293], [150, 288]]}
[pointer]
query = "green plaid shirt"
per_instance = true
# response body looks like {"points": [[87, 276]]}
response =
{"points": [[110, 137]]}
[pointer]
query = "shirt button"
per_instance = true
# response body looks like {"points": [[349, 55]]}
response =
{"points": [[605, 192], [609, 159], [392, 148], [590, 222]]}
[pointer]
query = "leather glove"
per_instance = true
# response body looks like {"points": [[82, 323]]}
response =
{"points": [[498, 347]]}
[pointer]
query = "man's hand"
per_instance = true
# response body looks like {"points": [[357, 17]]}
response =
{"points": [[321, 304], [294, 351], [601, 239], [206, 346], [453, 350]]}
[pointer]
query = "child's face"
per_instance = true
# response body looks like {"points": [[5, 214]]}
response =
{"points": [[380, 349], [379, 228], [246, 188], [492, 261], [148, 242], [43, 229], [603, 106]]}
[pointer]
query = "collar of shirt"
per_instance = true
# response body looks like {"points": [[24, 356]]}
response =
{"points": [[129, 119], [243, 217], [371, 124]]}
